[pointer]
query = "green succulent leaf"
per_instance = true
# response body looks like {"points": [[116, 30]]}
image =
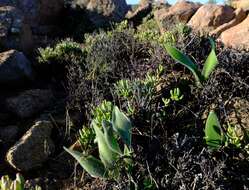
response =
{"points": [[213, 133], [106, 154], [92, 165], [211, 62], [127, 153], [185, 61], [5, 183], [110, 138], [18, 185], [19, 182], [122, 125]]}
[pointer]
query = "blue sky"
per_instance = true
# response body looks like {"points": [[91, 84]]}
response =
{"points": [[173, 1]]}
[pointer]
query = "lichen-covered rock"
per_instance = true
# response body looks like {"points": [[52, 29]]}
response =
{"points": [[33, 148], [210, 16], [102, 12], [29, 102], [15, 33], [238, 36], [182, 11], [15, 68]]}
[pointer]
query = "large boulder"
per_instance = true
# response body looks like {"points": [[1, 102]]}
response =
{"points": [[15, 68], [244, 4], [102, 12], [41, 12], [140, 13], [29, 102], [15, 33], [240, 15], [33, 148], [182, 11], [210, 16], [38, 12], [238, 36]]}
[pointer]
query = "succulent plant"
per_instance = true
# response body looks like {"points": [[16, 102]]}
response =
{"points": [[18, 184], [109, 150]]}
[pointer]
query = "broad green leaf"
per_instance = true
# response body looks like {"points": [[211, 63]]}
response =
{"points": [[21, 180], [110, 138], [213, 133], [92, 165], [18, 185], [106, 154], [122, 125], [211, 62], [185, 61]]}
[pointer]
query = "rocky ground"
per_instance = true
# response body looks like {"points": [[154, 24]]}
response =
{"points": [[37, 117]]}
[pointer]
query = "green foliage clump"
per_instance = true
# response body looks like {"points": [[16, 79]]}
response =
{"points": [[18, 184], [112, 159], [175, 95], [102, 112], [64, 51], [137, 93], [86, 138], [150, 32]]}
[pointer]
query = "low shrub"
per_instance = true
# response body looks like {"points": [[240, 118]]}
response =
{"points": [[54, 60], [63, 51]]}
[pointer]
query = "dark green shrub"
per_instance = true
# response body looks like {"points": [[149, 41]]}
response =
{"points": [[117, 55]]}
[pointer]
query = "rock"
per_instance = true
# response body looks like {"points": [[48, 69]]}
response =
{"points": [[15, 68], [15, 33], [5, 118], [29, 102], [41, 12], [240, 15], [182, 11], [5, 2], [210, 16], [238, 36], [141, 12], [102, 12], [243, 4], [9, 133], [33, 148], [238, 113]]}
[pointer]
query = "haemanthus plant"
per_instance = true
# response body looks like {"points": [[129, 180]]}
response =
{"points": [[110, 153], [18, 184], [200, 76], [216, 137]]}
